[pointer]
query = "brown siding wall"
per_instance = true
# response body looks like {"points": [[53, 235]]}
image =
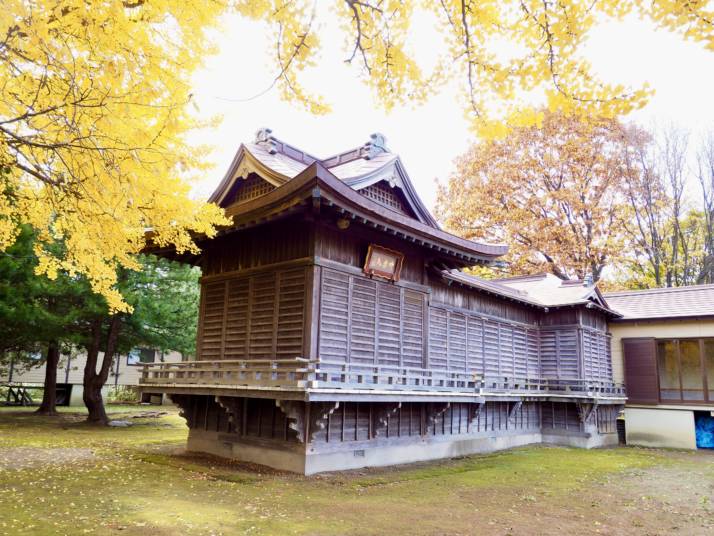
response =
{"points": [[265, 245], [370, 322], [350, 247], [559, 353], [462, 340], [641, 370], [257, 302], [597, 357]]}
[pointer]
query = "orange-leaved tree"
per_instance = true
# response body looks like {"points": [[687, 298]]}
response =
{"points": [[556, 194]]}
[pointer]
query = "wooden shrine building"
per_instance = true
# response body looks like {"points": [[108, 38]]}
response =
{"points": [[337, 329]]}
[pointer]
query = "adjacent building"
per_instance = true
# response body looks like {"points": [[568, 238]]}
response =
{"points": [[339, 327], [663, 349], [126, 372]]}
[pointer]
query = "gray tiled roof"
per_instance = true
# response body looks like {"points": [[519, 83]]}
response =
{"points": [[543, 290], [550, 290], [277, 161], [696, 300], [361, 166]]}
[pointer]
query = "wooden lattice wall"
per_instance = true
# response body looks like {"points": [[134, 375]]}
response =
{"points": [[250, 188], [387, 196], [261, 316]]}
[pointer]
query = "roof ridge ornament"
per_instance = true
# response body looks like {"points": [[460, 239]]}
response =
{"points": [[264, 136], [376, 145]]}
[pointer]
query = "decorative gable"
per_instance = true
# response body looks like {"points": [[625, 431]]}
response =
{"points": [[250, 188], [387, 196]]}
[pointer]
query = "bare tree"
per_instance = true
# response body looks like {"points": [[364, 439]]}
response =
{"points": [[673, 165], [645, 223], [705, 175]]}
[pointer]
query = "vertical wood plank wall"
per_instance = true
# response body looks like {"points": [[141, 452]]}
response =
{"points": [[254, 308]]}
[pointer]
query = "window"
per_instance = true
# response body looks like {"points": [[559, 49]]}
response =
{"points": [[140, 355], [691, 370], [709, 366], [668, 365], [686, 370]]}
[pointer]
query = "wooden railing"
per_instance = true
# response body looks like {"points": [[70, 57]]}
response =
{"points": [[361, 376], [590, 387], [241, 372], [302, 374]]}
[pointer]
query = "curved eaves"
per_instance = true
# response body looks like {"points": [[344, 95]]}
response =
{"points": [[402, 181], [245, 162]]}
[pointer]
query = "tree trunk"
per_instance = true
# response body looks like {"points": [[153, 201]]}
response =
{"points": [[93, 381], [94, 402], [49, 397]]}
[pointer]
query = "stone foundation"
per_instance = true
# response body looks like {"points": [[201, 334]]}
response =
{"points": [[309, 438]]}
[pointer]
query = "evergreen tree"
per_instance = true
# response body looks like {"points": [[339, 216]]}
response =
{"points": [[164, 297], [36, 314]]}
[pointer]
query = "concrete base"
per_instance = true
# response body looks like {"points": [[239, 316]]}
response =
{"points": [[216, 443], [581, 440], [421, 450], [656, 427], [294, 458]]}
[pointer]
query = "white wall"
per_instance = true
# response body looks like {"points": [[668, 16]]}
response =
{"points": [[658, 427], [127, 374]]}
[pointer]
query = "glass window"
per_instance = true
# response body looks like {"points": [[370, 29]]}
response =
{"points": [[667, 363], [690, 364], [709, 364], [140, 355]]}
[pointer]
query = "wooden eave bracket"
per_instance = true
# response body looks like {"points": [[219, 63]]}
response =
{"points": [[586, 410], [381, 417], [319, 416], [515, 408], [473, 421], [233, 407], [182, 401], [294, 412], [436, 410]]}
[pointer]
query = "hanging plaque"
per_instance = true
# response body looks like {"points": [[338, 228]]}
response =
{"points": [[383, 262]]}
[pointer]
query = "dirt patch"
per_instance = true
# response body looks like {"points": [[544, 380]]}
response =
{"points": [[17, 458], [662, 500]]}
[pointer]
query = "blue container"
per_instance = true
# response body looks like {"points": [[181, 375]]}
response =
{"points": [[704, 430]]}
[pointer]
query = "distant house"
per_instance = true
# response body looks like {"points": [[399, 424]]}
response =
{"points": [[126, 372], [663, 349]]}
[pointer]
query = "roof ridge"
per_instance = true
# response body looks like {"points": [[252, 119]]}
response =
{"points": [[264, 138], [529, 277], [344, 157], [659, 290], [493, 282], [376, 145]]}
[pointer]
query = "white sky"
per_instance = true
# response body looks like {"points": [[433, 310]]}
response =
{"points": [[428, 137]]}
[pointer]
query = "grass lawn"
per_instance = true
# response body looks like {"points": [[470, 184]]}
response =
{"points": [[59, 476]]}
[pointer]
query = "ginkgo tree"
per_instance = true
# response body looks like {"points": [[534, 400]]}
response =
{"points": [[94, 98], [92, 121], [502, 53]]}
